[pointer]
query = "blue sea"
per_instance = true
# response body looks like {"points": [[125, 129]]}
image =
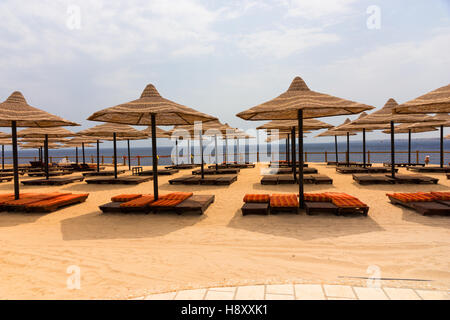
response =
{"points": [[314, 152]]}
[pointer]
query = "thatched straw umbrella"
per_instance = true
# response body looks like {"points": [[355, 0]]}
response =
{"points": [[40, 153], [437, 101], [298, 103], [83, 142], [16, 112], [36, 145], [387, 119], [113, 130], [44, 134], [151, 109], [290, 126]]}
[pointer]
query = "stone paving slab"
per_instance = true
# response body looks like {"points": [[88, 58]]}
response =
{"points": [[300, 292]]}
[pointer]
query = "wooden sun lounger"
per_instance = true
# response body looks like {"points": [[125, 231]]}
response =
{"points": [[190, 180], [276, 210], [269, 180], [186, 180], [351, 164], [119, 180], [6, 179], [322, 179], [368, 179], [102, 173], [404, 164], [255, 208], [52, 181], [374, 170], [286, 165], [50, 173], [320, 207], [414, 179], [161, 172], [23, 202], [54, 204], [286, 179], [194, 204], [183, 166], [348, 170], [433, 169], [219, 171], [425, 208]]}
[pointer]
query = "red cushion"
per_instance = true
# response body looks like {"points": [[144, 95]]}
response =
{"points": [[343, 203], [284, 200], [317, 197], [256, 198], [166, 203], [444, 196], [413, 197], [143, 201], [125, 197], [176, 196]]}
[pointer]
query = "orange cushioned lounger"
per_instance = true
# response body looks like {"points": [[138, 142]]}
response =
{"points": [[125, 197], [28, 200], [176, 196], [339, 195], [283, 200], [142, 201], [55, 203], [10, 196], [166, 203], [413, 197], [256, 198], [443, 196], [317, 197], [348, 203]]}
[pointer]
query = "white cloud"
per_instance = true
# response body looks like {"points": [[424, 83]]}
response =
{"points": [[314, 9], [284, 41]]}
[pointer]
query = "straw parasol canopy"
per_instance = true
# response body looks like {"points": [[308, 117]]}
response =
{"points": [[298, 103], [16, 108], [137, 112], [410, 127], [76, 144], [4, 135], [54, 140], [16, 112], [5, 142], [437, 101], [308, 124], [160, 133], [109, 129], [56, 132], [37, 145], [300, 97]]}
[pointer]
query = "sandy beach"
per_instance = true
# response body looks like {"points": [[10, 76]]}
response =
{"points": [[123, 256]]}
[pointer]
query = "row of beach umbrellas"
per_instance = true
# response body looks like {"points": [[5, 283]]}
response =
{"points": [[298, 104]]}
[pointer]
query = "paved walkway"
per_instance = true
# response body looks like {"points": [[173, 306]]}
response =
{"points": [[300, 292]]}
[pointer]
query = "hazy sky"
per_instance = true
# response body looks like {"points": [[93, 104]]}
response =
{"points": [[72, 58]]}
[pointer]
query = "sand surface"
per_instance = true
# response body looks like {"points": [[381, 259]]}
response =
{"points": [[123, 256]]}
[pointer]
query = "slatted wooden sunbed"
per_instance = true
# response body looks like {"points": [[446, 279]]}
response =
{"points": [[102, 173], [50, 173], [347, 164], [178, 202], [334, 203], [370, 170], [119, 180], [233, 166], [404, 164], [217, 180], [287, 179], [161, 172], [426, 203], [281, 203], [432, 169], [183, 166], [368, 179], [256, 204], [52, 181], [214, 171], [40, 202], [5, 179]]}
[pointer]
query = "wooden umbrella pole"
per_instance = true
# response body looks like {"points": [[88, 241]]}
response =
{"points": [[257, 145], [336, 149], [226, 149], [76, 155], [300, 150], [217, 155], [288, 155], [348, 148], [442, 146], [84, 155], [189, 151], [47, 175], [15, 159], [294, 160], [129, 154], [201, 153], [392, 151], [115, 154], [409, 147], [3, 157], [364, 147], [155, 158], [176, 151], [98, 156]]}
